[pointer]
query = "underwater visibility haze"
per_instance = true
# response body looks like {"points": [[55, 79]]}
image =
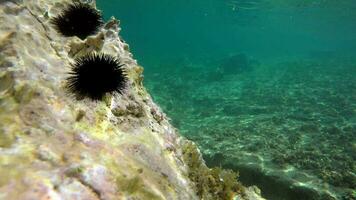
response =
{"points": [[264, 87]]}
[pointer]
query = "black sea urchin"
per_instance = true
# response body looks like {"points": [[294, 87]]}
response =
{"points": [[94, 75], [78, 19]]}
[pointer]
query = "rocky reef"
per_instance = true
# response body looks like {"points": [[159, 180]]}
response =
{"points": [[53, 146]]}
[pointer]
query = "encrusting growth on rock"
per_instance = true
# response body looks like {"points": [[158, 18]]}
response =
{"points": [[214, 183]]}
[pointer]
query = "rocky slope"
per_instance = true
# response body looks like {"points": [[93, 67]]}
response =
{"points": [[53, 146]]}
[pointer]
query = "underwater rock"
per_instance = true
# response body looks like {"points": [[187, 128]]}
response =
{"points": [[53, 146], [232, 65], [91, 44], [236, 64]]}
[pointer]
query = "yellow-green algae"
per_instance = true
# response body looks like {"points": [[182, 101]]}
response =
{"points": [[214, 183]]}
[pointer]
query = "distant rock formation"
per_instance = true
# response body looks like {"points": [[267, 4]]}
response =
{"points": [[235, 64]]}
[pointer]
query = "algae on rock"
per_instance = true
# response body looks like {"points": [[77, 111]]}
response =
{"points": [[210, 183]]}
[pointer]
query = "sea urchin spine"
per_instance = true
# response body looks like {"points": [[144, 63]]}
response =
{"points": [[78, 19], [94, 75]]}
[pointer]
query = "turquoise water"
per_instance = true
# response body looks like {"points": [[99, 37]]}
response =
{"points": [[266, 88]]}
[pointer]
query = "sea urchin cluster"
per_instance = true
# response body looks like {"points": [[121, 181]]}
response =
{"points": [[94, 75], [78, 19]]}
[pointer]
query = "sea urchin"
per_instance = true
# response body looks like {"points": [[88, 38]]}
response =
{"points": [[78, 19], [94, 75]]}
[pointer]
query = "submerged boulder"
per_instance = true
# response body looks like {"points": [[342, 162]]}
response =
{"points": [[236, 64], [53, 146]]}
